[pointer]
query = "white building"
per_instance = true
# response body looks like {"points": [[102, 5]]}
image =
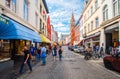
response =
{"points": [[102, 22], [54, 35], [21, 21]]}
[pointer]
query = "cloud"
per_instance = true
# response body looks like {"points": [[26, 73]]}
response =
{"points": [[61, 11]]}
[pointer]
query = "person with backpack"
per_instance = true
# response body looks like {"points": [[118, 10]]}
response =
{"points": [[54, 53], [26, 59], [43, 55], [39, 52], [60, 53], [32, 51]]}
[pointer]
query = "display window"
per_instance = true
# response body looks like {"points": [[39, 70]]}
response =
{"points": [[4, 49]]}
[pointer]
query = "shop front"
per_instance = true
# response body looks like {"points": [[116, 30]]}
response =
{"points": [[93, 40], [112, 36], [13, 36]]}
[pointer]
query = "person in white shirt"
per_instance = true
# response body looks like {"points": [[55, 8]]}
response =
{"points": [[43, 55]]}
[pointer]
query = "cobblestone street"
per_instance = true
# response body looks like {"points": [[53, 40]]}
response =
{"points": [[71, 67]]}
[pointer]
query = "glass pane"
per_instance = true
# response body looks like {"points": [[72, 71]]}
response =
{"points": [[119, 6], [4, 49]]}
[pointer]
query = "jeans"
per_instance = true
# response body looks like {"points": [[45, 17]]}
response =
{"points": [[43, 60], [22, 65], [38, 56], [60, 57]]}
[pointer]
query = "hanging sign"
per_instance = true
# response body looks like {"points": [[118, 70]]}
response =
{"points": [[3, 20]]}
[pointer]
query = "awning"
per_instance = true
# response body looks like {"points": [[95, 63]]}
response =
{"points": [[10, 29], [44, 39], [80, 42], [93, 35]]}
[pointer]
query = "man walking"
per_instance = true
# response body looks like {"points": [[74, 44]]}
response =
{"points": [[43, 55], [60, 53], [26, 59]]}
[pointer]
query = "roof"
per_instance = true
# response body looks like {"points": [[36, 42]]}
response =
{"points": [[45, 4]]}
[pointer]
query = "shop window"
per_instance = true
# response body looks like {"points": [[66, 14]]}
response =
{"points": [[4, 49]]}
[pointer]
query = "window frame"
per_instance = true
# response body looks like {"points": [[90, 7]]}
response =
{"points": [[96, 22], [105, 13], [96, 4], [115, 7], [26, 10]]}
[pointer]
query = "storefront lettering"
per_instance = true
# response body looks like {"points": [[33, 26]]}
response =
{"points": [[3, 20]]}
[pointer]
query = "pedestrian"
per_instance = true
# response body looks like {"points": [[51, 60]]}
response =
{"points": [[60, 53], [32, 51], [55, 52], [26, 59], [88, 53], [43, 55], [97, 48], [39, 53], [102, 51]]}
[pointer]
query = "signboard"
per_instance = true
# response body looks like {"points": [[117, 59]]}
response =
{"points": [[3, 20]]}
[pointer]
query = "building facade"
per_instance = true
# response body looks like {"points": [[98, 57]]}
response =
{"points": [[21, 21], [54, 35], [72, 31], [48, 28], [77, 33], [101, 23]]}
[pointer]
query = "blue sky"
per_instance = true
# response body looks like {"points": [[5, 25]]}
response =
{"points": [[60, 13]]}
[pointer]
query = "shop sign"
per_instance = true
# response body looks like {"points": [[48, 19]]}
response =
{"points": [[3, 20]]}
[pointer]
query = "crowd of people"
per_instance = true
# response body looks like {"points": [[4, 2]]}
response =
{"points": [[33, 54]]}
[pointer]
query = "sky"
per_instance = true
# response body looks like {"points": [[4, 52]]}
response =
{"points": [[60, 12]]}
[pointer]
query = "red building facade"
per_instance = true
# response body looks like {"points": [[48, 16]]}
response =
{"points": [[48, 28]]}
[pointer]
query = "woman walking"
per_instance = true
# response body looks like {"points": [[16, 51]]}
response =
{"points": [[55, 52], [60, 53]]}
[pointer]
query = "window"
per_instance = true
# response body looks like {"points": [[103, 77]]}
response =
{"points": [[97, 22], [119, 6], [41, 9], [36, 19], [40, 25], [4, 49], [36, 2], [105, 13], [91, 25], [43, 28], [11, 4], [88, 27], [115, 7], [88, 14], [91, 10], [96, 4], [25, 10]]}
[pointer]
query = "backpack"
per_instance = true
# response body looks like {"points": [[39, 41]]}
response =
{"points": [[60, 51]]}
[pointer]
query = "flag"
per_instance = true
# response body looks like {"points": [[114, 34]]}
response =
{"points": [[44, 12]]}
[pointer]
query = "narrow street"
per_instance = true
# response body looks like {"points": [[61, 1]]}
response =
{"points": [[71, 67]]}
